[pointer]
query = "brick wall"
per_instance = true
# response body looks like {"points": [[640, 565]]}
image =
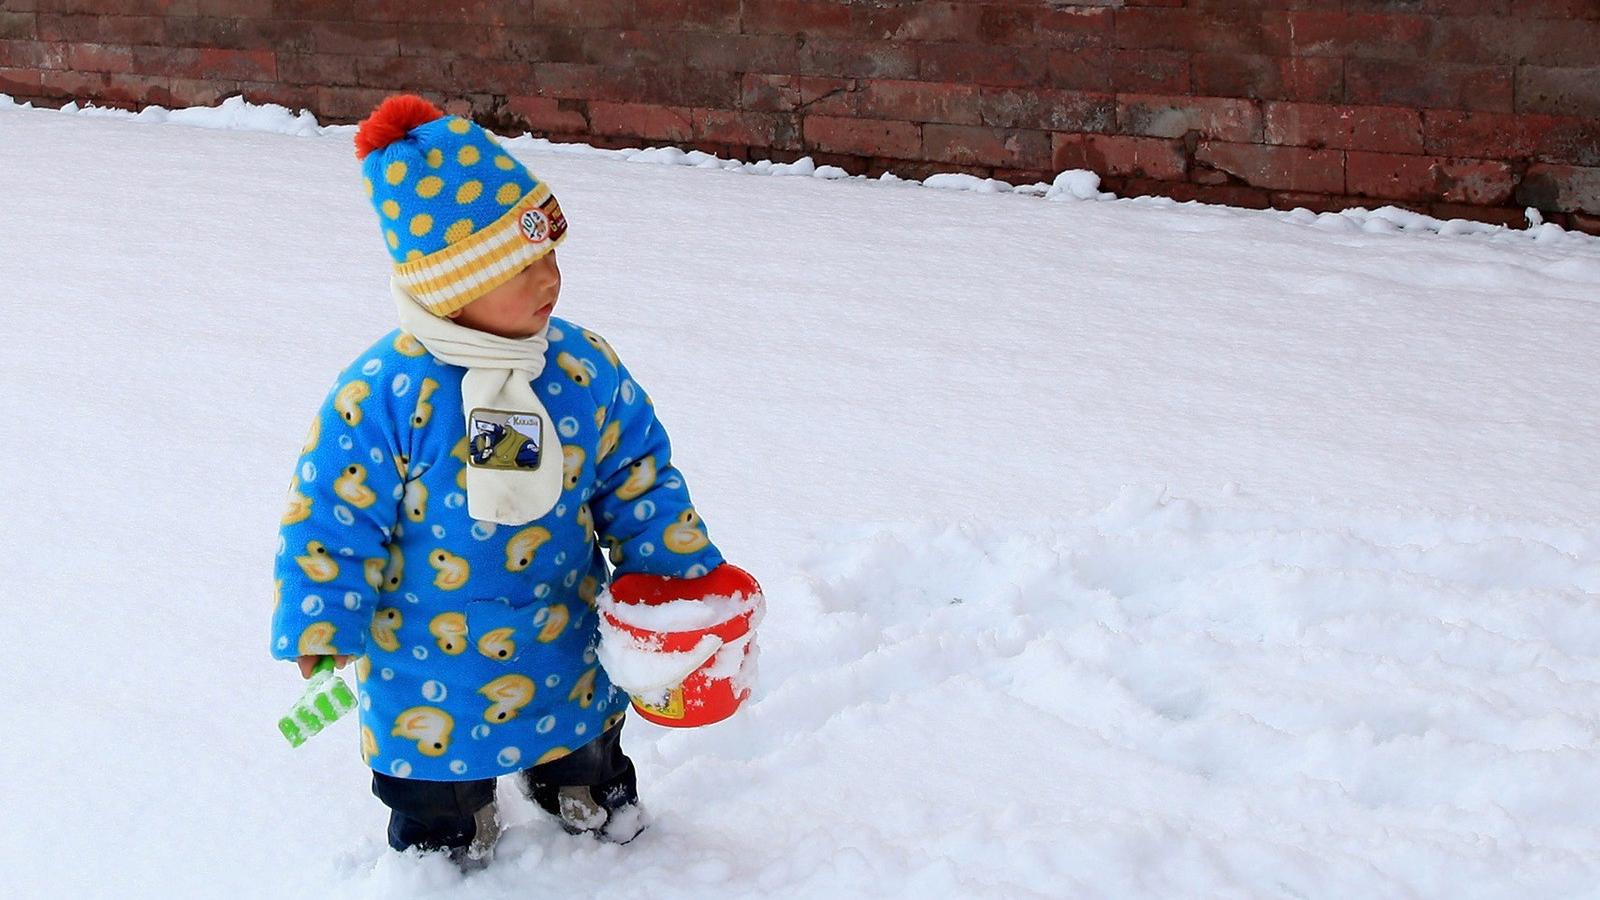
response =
{"points": [[1472, 108]]}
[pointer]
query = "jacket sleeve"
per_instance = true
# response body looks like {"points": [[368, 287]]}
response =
{"points": [[641, 504], [344, 503]]}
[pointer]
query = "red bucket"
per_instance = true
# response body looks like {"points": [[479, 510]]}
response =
{"points": [[708, 694]]}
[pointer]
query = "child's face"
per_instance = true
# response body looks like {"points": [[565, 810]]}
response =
{"points": [[519, 308]]}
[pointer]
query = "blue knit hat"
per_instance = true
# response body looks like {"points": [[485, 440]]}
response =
{"points": [[459, 215]]}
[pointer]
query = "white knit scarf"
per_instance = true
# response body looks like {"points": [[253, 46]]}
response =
{"points": [[500, 374]]}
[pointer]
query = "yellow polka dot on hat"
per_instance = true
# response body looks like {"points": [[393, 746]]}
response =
{"points": [[455, 226]]}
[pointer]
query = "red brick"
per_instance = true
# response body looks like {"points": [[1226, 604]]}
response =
{"points": [[1081, 70], [1383, 128], [927, 20], [1432, 178], [1374, 35], [1558, 92], [584, 13], [102, 29], [546, 114], [901, 140], [859, 59], [686, 15], [1218, 118], [1382, 82], [1318, 203], [974, 145], [1076, 28], [642, 120], [196, 92], [99, 58], [919, 101], [742, 52], [504, 77], [917, 171], [347, 104], [1509, 216], [740, 127], [243, 9], [699, 87], [20, 82], [583, 82], [633, 48], [317, 69], [293, 97], [1150, 71], [1013, 25], [1556, 9], [18, 26], [1048, 110], [108, 89], [377, 38], [1115, 154], [237, 34], [206, 63], [1584, 223], [33, 55], [403, 73], [800, 93], [1545, 42], [1225, 194], [1557, 139], [1564, 188], [1431, 7], [1197, 31], [813, 18], [979, 64], [1307, 79], [1276, 168]]}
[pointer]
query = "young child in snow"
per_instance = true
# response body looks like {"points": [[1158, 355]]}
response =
{"points": [[443, 516]]}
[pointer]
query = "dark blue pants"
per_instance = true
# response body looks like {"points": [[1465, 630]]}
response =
{"points": [[437, 815]]}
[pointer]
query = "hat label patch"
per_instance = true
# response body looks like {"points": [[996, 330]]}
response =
{"points": [[502, 439], [543, 223], [535, 227]]}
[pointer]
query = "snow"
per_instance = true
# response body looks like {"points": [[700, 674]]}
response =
{"points": [[677, 615], [645, 669], [1115, 547]]}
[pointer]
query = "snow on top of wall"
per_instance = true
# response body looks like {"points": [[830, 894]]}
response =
{"points": [[236, 113]]}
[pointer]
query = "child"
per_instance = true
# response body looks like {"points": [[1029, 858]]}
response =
{"points": [[442, 519]]}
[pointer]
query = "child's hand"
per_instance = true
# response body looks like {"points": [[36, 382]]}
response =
{"points": [[307, 663]]}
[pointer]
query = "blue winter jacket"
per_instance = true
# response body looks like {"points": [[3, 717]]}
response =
{"points": [[475, 642]]}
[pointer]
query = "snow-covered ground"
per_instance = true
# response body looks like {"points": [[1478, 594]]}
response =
{"points": [[1112, 548]]}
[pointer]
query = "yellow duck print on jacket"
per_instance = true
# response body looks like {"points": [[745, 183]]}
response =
{"points": [[684, 535], [453, 570], [507, 695], [429, 726], [424, 413], [351, 487], [641, 475], [523, 545], [383, 627], [499, 643], [299, 505], [474, 641], [317, 563], [316, 640], [349, 400], [449, 631]]}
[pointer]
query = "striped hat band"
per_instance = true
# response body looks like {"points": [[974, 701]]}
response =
{"points": [[448, 279]]}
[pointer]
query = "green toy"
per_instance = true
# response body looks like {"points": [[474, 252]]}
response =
{"points": [[326, 699]]}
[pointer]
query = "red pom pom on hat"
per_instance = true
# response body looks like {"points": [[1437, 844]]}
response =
{"points": [[392, 120]]}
